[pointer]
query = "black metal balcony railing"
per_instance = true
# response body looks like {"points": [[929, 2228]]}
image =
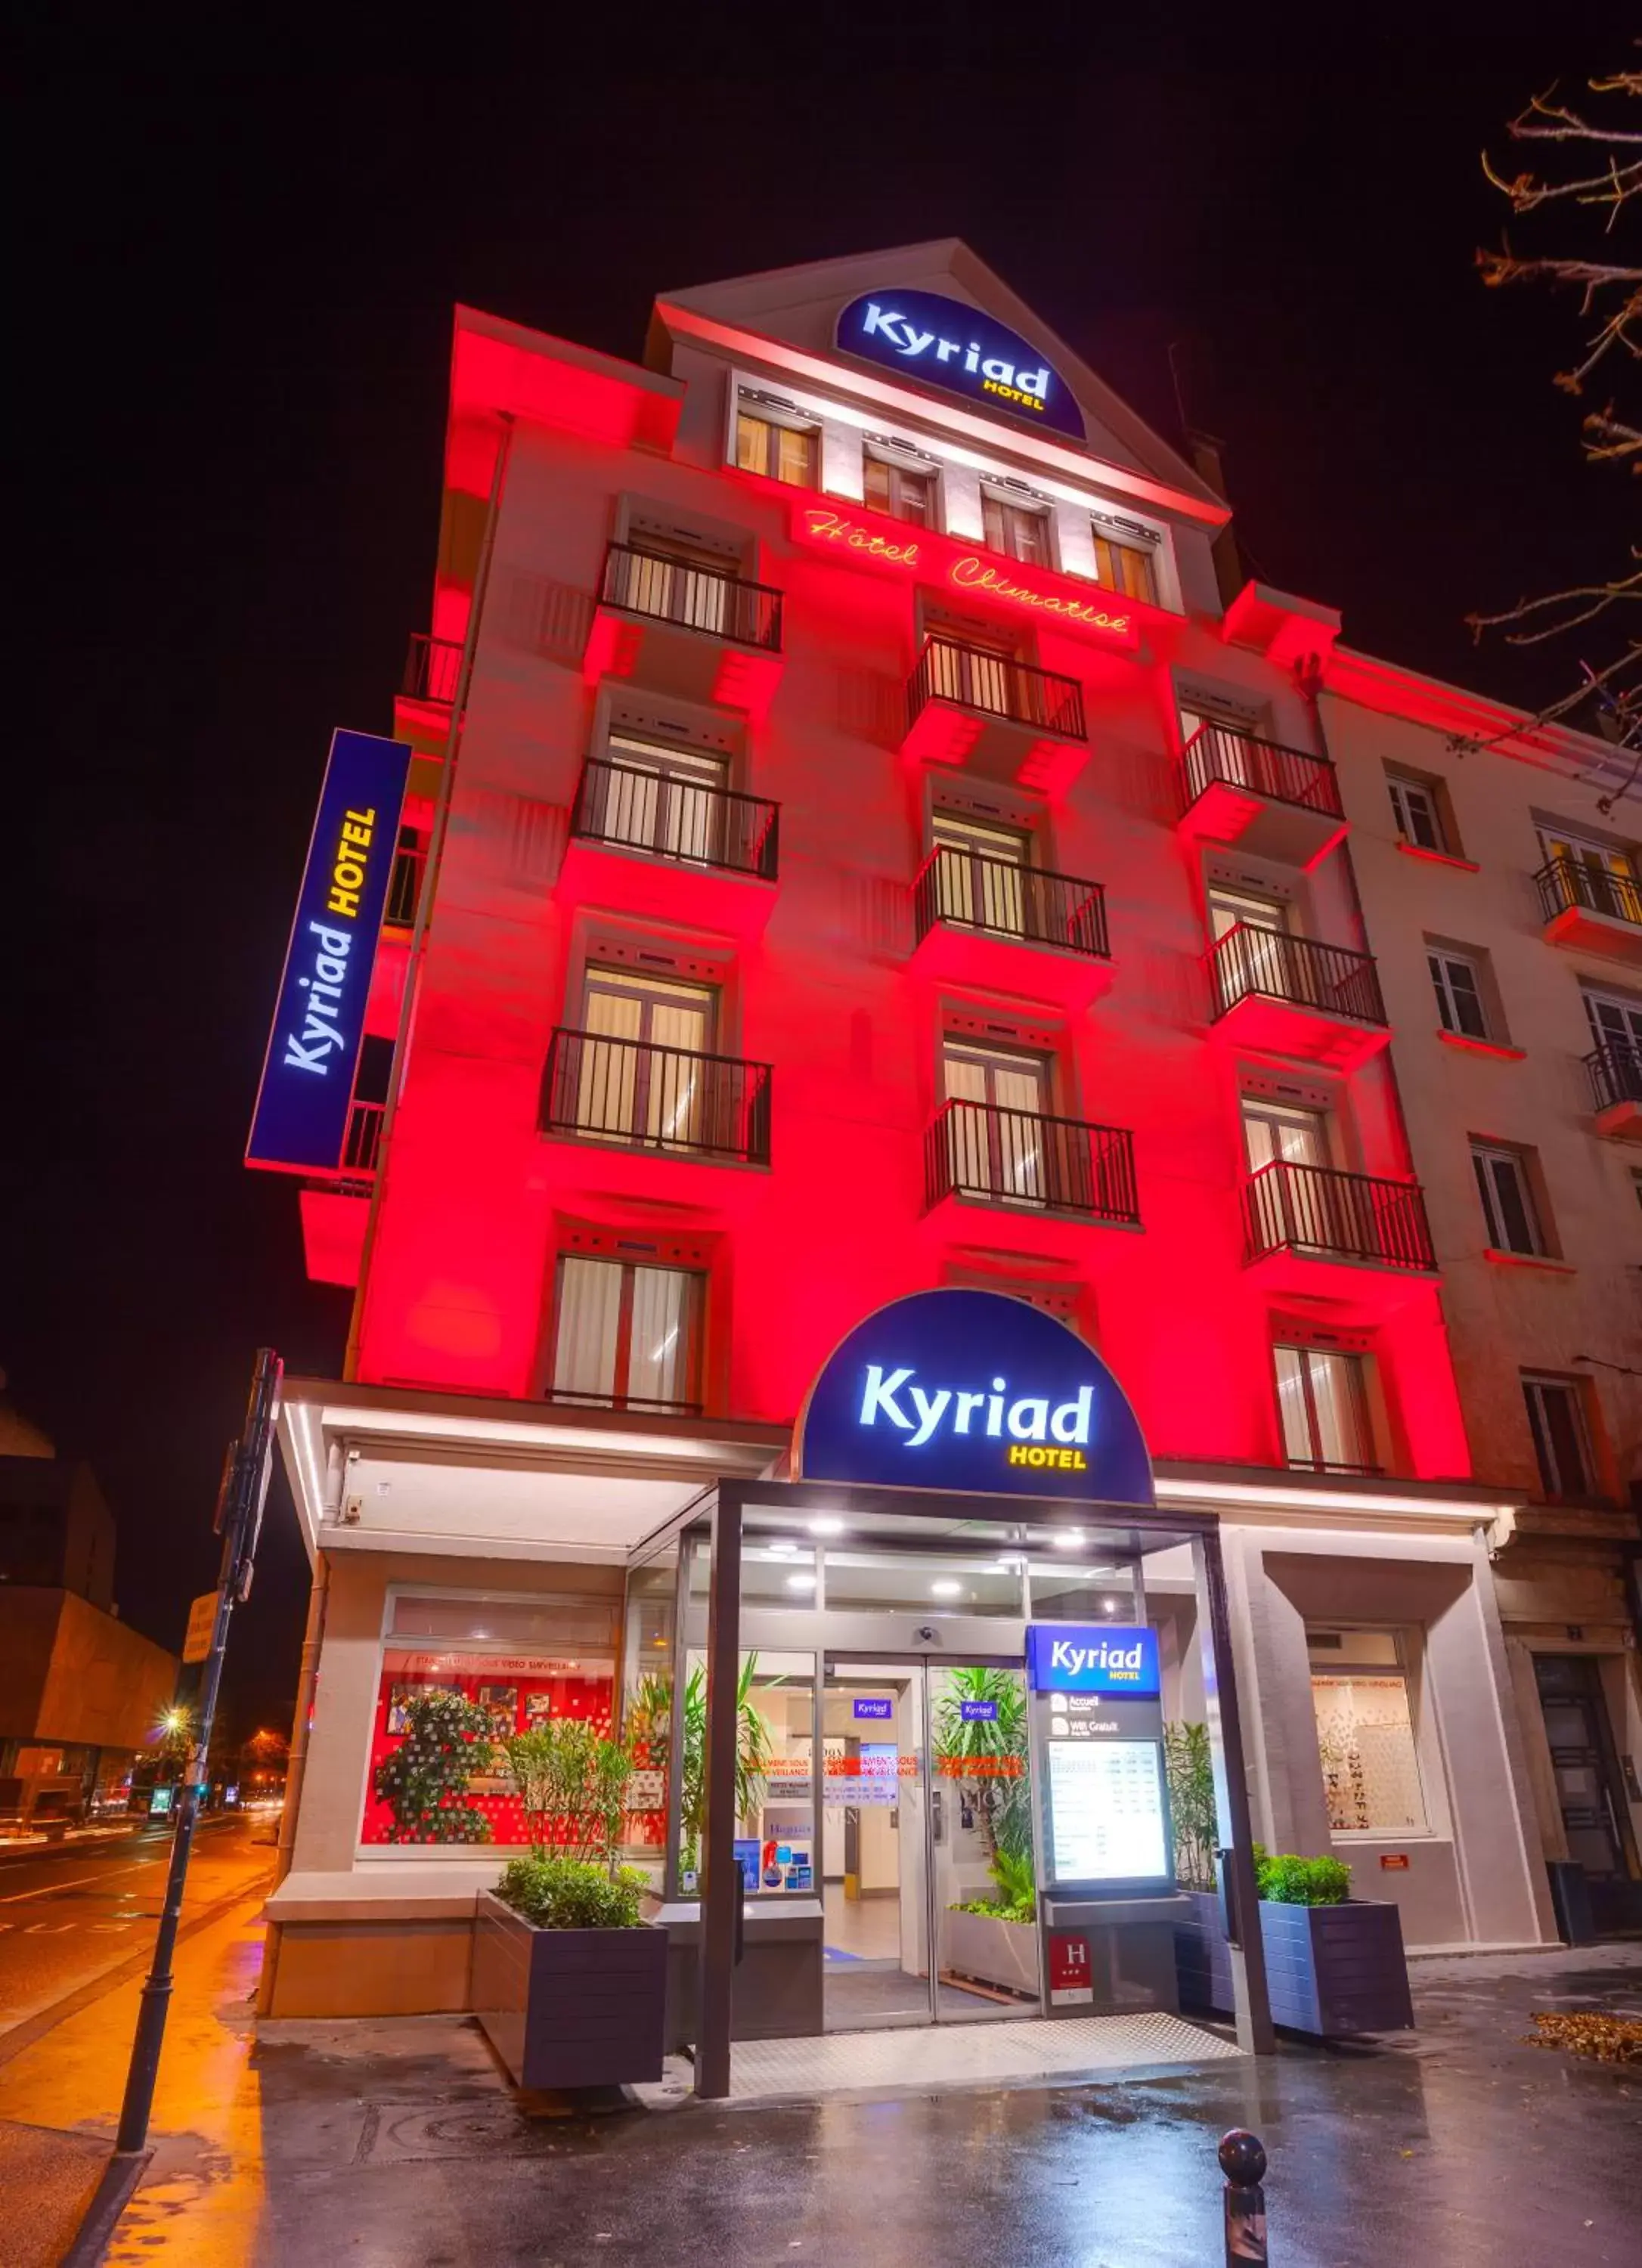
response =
{"points": [[699, 597], [1564, 883], [1274, 966], [1316, 1209], [1615, 1073], [998, 686], [656, 1098], [975, 892], [1020, 1157], [1219, 752], [433, 666], [363, 1137], [672, 816], [404, 884]]}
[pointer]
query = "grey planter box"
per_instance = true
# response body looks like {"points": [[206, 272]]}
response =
{"points": [[1330, 1971], [569, 2007], [993, 1951]]}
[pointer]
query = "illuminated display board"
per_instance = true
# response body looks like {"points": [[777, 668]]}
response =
{"points": [[1106, 1817], [1083, 1658], [302, 1105], [948, 343], [853, 533], [972, 1391]]}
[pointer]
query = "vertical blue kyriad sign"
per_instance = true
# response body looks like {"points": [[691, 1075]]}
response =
{"points": [[302, 1105]]}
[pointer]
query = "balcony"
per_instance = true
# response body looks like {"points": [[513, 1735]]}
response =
{"points": [[1273, 801], [1028, 1163], [671, 848], [1590, 908], [1614, 1070], [628, 1093], [1290, 996], [1002, 926], [701, 632], [1313, 1232], [1004, 718]]}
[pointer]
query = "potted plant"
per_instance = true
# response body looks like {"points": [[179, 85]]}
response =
{"points": [[980, 1726], [569, 1982]]}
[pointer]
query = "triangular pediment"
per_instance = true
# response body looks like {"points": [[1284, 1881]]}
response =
{"points": [[801, 308]]}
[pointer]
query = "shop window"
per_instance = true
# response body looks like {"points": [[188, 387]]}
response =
{"points": [[1020, 531], [626, 1335], [780, 453], [1416, 812], [1127, 566], [515, 1663], [776, 1808], [901, 491], [1562, 1437], [1456, 980], [1508, 1209], [1359, 1693], [1324, 1410]]}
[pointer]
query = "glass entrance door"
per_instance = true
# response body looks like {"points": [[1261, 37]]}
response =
{"points": [[926, 1844]]}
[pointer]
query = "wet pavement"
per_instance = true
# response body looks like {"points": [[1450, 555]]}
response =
{"points": [[397, 2142]]}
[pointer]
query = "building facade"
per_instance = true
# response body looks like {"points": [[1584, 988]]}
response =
{"points": [[851, 847]]}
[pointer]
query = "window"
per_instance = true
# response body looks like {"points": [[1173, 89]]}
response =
{"points": [[1020, 531], [1414, 809], [519, 1661], [654, 796], [1562, 1440], [642, 1075], [1459, 994], [1324, 1410], [901, 491], [1128, 567], [994, 1127], [1615, 1022], [1273, 1131], [1595, 875], [780, 453], [1359, 1698], [977, 872], [1257, 961], [625, 1335], [1502, 1182]]}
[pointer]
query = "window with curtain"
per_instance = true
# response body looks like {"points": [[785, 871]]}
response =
{"points": [[978, 872], [902, 490], [641, 1075], [1126, 565], [625, 1335], [1455, 981], [661, 798], [780, 453], [1365, 1743], [1018, 531], [994, 1132], [1324, 1410], [1508, 1210]]}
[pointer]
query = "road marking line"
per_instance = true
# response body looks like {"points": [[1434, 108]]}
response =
{"points": [[55, 1889]]}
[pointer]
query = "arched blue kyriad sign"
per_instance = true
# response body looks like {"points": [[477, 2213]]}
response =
{"points": [[948, 343], [976, 1393]]}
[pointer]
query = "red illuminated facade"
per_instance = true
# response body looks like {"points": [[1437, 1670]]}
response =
{"points": [[846, 890]]}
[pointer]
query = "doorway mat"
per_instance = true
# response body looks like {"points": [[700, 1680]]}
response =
{"points": [[938, 2057]]}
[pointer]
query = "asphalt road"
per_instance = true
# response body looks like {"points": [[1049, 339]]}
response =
{"points": [[68, 1916]]}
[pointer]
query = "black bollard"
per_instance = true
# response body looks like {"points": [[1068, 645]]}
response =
{"points": [[1243, 2162]]}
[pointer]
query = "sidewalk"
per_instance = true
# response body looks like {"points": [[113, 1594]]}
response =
{"points": [[397, 2141]]}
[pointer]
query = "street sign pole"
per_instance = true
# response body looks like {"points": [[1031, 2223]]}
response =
{"points": [[239, 1521]]}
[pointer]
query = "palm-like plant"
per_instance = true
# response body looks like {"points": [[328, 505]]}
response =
{"points": [[752, 1752], [987, 1756]]}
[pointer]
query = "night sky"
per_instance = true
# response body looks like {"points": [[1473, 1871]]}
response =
{"points": [[236, 310]]}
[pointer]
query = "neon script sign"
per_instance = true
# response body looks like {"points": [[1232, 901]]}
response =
{"points": [[302, 1106], [951, 345], [972, 1391], [868, 535]]}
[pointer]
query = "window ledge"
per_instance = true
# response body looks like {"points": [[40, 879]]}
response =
{"points": [[1528, 1260], [1471, 1046], [1437, 858]]}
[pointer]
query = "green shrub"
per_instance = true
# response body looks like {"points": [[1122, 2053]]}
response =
{"points": [[571, 1894], [1288, 1880]]}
